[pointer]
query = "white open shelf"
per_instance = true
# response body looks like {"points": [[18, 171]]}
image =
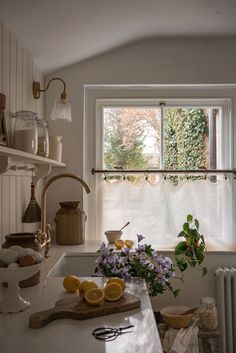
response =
{"points": [[11, 158]]}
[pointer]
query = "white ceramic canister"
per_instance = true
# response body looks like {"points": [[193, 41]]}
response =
{"points": [[55, 148]]}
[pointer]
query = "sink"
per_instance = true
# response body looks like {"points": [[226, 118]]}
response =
{"points": [[78, 264]]}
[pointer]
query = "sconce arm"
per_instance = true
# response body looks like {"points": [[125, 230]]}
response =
{"points": [[37, 89]]}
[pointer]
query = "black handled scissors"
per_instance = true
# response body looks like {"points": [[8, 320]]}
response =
{"points": [[109, 333]]}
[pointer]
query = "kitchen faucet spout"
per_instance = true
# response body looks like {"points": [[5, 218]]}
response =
{"points": [[43, 235]]}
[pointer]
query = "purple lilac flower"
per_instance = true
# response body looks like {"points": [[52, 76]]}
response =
{"points": [[140, 237]]}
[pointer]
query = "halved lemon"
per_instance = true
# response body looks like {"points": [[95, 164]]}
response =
{"points": [[113, 292], [71, 283], [86, 286], [129, 243], [118, 280], [94, 296], [119, 243]]}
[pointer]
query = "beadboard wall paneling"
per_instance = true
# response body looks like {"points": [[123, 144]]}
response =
{"points": [[17, 73]]}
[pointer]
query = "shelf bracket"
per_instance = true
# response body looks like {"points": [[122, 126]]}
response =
{"points": [[42, 171], [5, 164]]}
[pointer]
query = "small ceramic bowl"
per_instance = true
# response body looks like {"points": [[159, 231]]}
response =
{"points": [[113, 235], [173, 318]]}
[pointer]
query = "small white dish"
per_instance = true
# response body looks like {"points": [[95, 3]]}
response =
{"points": [[13, 302]]}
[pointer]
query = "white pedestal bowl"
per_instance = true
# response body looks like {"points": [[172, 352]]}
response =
{"points": [[13, 302]]}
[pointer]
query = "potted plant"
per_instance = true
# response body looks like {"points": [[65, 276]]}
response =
{"points": [[190, 251]]}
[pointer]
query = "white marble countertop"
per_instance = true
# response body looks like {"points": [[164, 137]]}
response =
{"points": [[74, 336]]}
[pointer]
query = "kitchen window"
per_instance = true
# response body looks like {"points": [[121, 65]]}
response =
{"points": [[170, 134]]}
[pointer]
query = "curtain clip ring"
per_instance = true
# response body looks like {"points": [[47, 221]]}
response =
{"points": [[146, 176], [105, 176], [124, 175], [205, 175], [225, 175], [164, 176]]}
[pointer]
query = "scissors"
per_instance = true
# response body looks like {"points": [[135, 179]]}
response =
{"points": [[109, 333]]}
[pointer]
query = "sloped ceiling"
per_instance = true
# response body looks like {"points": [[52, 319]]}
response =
{"points": [[59, 33]]}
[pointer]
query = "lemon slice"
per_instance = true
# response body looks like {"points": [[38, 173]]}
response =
{"points": [[119, 243], [118, 280], [71, 283], [129, 243], [94, 296], [113, 292], [85, 286]]}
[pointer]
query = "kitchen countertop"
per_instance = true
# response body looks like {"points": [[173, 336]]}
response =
{"points": [[74, 336]]}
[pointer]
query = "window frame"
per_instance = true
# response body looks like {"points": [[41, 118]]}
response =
{"points": [[144, 96]]}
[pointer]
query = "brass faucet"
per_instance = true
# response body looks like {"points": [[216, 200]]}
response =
{"points": [[43, 235]]}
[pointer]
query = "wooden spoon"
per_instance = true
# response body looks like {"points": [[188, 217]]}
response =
{"points": [[124, 226], [189, 311]]}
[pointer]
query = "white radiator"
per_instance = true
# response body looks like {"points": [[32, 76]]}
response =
{"points": [[226, 305]]}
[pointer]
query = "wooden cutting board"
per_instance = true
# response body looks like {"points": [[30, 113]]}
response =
{"points": [[78, 309]]}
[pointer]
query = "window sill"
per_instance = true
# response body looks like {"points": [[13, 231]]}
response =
{"points": [[211, 247]]}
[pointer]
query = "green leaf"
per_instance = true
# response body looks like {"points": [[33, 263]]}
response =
{"points": [[176, 292], [181, 247], [196, 224], [186, 227], [181, 234], [182, 264], [200, 257], [189, 218], [204, 271]]}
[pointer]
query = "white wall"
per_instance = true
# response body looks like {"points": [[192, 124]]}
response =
{"points": [[154, 61], [17, 72]]}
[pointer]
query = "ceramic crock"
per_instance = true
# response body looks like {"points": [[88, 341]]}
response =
{"points": [[70, 224]]}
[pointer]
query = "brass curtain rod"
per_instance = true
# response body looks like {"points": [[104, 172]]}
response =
{"points": [[163, 171]]}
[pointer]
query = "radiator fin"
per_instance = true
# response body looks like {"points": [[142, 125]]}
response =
{"points": [[226, 296]]}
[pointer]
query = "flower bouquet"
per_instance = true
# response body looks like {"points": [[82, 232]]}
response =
{"points": [[143, 262]]}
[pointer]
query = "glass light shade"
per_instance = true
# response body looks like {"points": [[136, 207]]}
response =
{"points": [[61, 110]]}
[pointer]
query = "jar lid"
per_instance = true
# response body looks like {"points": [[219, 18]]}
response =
{"points": [[208, 300], [41, 122], [55, 138], [25, 114]]}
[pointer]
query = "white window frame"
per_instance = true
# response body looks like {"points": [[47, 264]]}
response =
{"points": [[212, 95]]}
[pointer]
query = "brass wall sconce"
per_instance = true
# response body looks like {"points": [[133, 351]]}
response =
{"points": [[62, 107]]}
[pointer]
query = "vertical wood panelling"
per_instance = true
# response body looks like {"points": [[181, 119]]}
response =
{"points": [[6, 204], [17, 72], [1, 66], [6, 71], [19, 78], [24, 79], [13, 88]]}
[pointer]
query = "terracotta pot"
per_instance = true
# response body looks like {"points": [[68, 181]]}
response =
{"points": [[25, 240], [70, 224]]}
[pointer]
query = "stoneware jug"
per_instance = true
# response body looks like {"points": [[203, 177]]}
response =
{"points": [[70, 224]]}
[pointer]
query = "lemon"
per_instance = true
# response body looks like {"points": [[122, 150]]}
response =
{"points": [[129, 243], [118, 280], [119, 243], [113, 292], [71, 283], [85, 286], [94, 296]]}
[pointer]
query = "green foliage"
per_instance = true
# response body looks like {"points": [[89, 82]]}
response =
{"points": [[190, 251], [185, 134]]}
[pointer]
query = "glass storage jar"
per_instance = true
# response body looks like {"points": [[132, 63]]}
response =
{"points": [[43, 140], [208, 314], [55, 148], [25, 135]]}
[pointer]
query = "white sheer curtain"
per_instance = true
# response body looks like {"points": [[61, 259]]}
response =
{"points": [[158, 211]]}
